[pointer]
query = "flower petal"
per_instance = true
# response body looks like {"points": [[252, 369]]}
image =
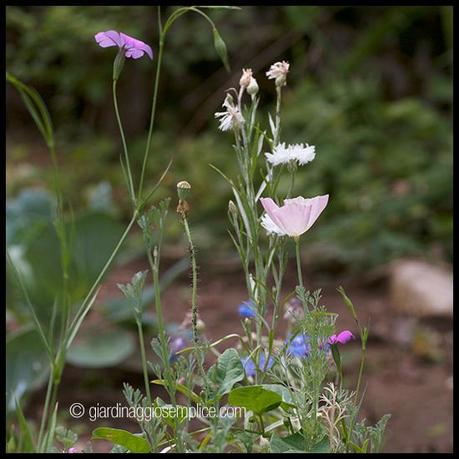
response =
{"points": [[294, 218], [271, 208], [109, 38]]}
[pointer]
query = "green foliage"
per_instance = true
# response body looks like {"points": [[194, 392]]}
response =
{"points": [[101, 349], [133, 443], [255, 398], [27, 365]]}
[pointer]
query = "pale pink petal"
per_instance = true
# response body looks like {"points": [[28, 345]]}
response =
{"points": [[294, 218], [271, 207], [318, 204]]}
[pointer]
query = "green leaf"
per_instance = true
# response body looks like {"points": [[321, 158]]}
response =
{"points": [[283, 392], [99, 349], [25, 440], [295, 444], [323, 446], [291, 444], [36, 107], [27, 365], [228, 371], [255, 398], [134, 443]]}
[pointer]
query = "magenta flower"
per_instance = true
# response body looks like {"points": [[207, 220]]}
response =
{"points": [[341, 338], [295, 217], [133, 48]]}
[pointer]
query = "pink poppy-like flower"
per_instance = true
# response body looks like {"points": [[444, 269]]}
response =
{"points": [[295, 217], [341, 338], [133, 48]]}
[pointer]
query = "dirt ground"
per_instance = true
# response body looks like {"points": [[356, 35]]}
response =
{"points": [[410, 380]]}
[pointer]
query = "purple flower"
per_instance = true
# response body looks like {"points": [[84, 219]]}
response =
{"points": [[176, 345], [250, 367], [299, 346], [247, 309], [341, 338], [133, 48]]}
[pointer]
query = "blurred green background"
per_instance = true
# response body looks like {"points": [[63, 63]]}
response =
{"points": [[370, 87]]}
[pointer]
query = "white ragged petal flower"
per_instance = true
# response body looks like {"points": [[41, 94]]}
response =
{"points": [[303, 153], [278, 72], [283, 154], [270, 226], [231, 118]]}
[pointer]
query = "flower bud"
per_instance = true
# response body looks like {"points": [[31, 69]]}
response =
{"points": [[200, 325], [183, 189], [245, 78], [232, 209], [252, 88]]}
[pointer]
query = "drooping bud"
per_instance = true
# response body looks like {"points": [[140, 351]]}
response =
{"points": [[252, 88]]}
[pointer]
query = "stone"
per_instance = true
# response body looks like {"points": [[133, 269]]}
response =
{"points": [[420, 289]]}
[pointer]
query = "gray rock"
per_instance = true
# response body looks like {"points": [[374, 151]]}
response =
{"points": [[421, 289]]}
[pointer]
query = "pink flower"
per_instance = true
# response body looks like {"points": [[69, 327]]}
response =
{"points": [[295, 217], [134, 48], [72, 450], [341, 338]]}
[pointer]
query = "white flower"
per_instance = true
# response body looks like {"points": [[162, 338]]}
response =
{"points": [[270, 226], [278, 71], [302, 153], [231, 118]]}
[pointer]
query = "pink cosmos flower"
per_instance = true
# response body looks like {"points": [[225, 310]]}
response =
{"points": [[295, 217], [134, 48], [341, 338]]}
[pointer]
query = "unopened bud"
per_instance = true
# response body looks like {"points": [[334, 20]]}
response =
{"points": [[245, 78], [183, 189], [232, 209], [252, 88], [200, 326]]}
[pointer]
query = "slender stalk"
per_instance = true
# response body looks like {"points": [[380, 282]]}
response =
{"points": [[299, 271], [44, 415], [123, 139], [153, 111], [144, 360], [298, 262], [194, 290], [362, 365]]}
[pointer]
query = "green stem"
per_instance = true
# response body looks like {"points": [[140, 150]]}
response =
{"points": [[194, 291], [153, 113], [44, 415], [299, 271], [144, 360], [123, 139]]}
